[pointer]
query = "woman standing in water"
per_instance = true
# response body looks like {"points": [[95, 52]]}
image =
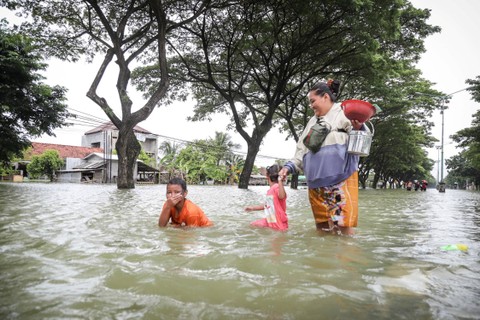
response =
{"points": [[330, 170]]}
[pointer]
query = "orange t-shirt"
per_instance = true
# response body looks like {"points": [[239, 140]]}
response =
{"points": [[191, 216]]}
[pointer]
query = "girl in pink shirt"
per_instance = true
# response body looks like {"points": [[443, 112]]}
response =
{"points": [[275, 206]]}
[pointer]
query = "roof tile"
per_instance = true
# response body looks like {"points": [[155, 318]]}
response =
{"points": [[65, 151]]}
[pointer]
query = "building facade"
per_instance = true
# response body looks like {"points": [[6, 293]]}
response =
{"points": [[105, 137], [84, 164]]}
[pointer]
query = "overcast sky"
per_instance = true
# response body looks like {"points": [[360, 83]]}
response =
{"points": [[451, 58]]}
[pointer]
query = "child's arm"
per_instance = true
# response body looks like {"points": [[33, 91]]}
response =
{"points": [[254, 208], [281, 189], [164, 216], [166, 211], [172, 201]]}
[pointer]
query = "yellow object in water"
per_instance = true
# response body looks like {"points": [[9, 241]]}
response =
{"points": [[458, 246]]}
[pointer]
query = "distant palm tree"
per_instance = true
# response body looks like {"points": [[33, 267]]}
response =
{"points": [[234, 165], [169, 151], [223, 145]]}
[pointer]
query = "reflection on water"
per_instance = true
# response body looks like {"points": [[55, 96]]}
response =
{"points": [[94, 252]]}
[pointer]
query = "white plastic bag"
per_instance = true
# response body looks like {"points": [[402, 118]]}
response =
{"points": [[269, 209]]}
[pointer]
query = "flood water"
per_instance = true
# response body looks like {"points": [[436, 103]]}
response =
{"points": [[72, 251]]}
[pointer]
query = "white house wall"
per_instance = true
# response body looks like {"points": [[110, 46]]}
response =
{"points": [[149, 142], [150, 146], [93, 139], [71, 163], [69, 177]]}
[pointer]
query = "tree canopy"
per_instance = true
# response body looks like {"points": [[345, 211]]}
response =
{"points": [[28, 107], [203, 160], [45, 164], [253, 60], [129, 31], [256, 60], [465, 166]]}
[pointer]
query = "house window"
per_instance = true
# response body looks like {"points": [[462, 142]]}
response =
{"points": [[95, 145]]}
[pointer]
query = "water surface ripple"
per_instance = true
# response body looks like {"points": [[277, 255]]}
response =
{"points": [[95, 252]]}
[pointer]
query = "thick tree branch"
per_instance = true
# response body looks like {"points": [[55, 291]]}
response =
{"points": [[92, 91]]}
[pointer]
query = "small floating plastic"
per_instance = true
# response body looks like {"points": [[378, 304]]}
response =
{"points": [[453, 247]]}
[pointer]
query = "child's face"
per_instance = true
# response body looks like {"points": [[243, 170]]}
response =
{"points": [[174, 190]]}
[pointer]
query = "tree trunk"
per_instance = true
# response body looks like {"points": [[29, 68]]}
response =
{"points": [[249, 163], [128, 148], [363, 174], [362, 183], [375, 181], [294, 182], [361, 179]]}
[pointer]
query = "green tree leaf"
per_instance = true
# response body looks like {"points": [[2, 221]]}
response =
{"points": [[28, 107], [45, 164]]}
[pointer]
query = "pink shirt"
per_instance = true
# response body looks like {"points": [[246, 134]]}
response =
{"points": [[279, 221]]}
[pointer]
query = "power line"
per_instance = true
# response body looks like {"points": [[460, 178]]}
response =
{"points": [[87, 120], [199, 144], [84, 119], [92, 117]]}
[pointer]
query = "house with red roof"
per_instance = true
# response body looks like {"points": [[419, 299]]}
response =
{"points": [[86, 164], [71, 155], [95, 159]]}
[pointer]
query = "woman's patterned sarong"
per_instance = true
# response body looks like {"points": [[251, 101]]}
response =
{"points": [[336, 204]]}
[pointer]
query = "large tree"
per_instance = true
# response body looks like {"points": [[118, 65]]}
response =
{"points": [[28, 107], [257, 56], [397, 86], [122, 31], [464, 168], [402, 129], [466, 165], [474, 88]]}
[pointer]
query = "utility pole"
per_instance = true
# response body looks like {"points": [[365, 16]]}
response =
{"points": [[438, 164], [442, 183]]}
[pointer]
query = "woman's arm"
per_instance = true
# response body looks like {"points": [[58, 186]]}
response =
{"points": [[296, 163]]}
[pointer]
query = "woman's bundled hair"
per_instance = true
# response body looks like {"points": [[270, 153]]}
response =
{"points": [[331, 87]]}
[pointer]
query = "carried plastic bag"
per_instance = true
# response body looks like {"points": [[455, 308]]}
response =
{"points": [[316, 135], [269, 210]]}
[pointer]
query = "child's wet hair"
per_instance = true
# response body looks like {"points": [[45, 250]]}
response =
{"points": [[272, 172], [180, 182]]}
